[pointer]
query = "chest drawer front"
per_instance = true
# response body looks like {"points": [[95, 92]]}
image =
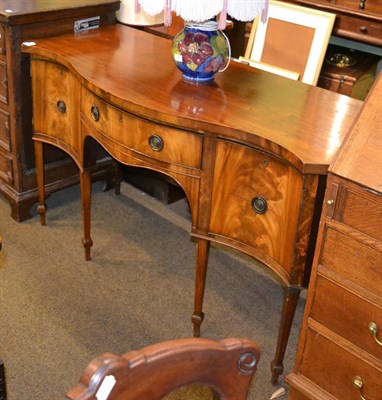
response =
{"points": [[353, 260], [363, 212], [347, 314], [141, 136], [333, 368], [5, 138], [361, 29], [57, 112], [3, 82], [259, 202]]}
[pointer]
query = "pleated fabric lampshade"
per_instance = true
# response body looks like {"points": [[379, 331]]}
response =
{"points": [[130, 14], [202, 10]]}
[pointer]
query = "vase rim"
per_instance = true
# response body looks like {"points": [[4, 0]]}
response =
{"points": [[205, 25]]}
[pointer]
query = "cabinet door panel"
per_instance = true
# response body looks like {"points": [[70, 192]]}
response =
{"points": [[57, 113], [249, 174]]}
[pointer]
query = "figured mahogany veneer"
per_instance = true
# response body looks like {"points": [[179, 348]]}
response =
{"points": [[250, 151], [340, 348]]}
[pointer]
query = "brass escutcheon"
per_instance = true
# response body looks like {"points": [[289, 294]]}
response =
{"points": [[156, 143], [61, 106]]}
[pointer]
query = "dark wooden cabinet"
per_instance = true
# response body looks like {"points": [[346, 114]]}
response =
{"points": [[353, 23], [340, 348], [356, 20], [21, 21]]}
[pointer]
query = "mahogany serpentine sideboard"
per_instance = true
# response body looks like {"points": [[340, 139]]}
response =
{"points": [[251, 150]]}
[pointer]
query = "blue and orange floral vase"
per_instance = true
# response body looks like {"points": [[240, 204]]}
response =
{"points": [[200, 50]]}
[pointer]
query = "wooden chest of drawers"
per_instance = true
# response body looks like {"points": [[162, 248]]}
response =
{"points": [[340, 349], [20, 21]]}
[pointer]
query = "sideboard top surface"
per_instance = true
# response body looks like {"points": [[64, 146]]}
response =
{"points": [[28, 11], [134, 71]]}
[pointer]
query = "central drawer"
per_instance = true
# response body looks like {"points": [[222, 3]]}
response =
{"points": [[141, 136]]}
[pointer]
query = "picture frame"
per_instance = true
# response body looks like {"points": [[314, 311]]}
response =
{"points": [[293, 39]]}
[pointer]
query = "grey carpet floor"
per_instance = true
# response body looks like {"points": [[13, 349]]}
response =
{"points": [[58, 311]]}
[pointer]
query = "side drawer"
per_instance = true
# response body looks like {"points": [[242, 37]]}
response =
{"points": [[259, 202], [347, 314], [56, 114], [333, 368], [353, 260], [141, 136]]}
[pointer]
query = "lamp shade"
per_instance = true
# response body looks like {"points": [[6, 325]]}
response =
{"points": [[202, 10], [130, 15]]}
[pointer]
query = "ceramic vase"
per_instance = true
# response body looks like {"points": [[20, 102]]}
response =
{"points": [[200, 50]]}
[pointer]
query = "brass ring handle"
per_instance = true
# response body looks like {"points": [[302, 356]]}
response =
{"points": [[358, 384], [373, 329], [61, 106], [156, 143], [94, 112], [259, 205]]}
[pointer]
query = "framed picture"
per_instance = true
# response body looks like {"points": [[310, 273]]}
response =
{"points": [[293, 39]]}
